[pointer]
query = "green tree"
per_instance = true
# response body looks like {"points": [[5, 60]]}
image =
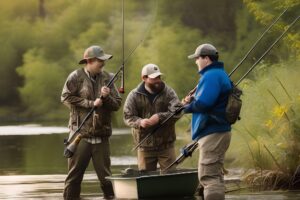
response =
{"points": [[170, 30], [266, 11], [15, 39], [169, 50]]}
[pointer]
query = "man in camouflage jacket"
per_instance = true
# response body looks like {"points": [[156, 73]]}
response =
{"points": [[145, 108], [81, 93]]}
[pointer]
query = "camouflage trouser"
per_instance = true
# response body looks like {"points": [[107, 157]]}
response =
{"points": [[212, 150], [147, 160], [77, 164]]}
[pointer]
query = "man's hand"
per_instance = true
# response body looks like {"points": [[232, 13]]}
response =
{"points": [[98, 102], [105, 91], [144, 123], [187, 100], [153, 120]]}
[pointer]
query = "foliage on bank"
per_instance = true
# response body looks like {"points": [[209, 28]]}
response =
{"points": [[268, 136]]}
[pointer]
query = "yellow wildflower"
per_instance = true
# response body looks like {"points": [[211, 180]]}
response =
{"points": [[245, 85], [269, 124], [279, 111]]}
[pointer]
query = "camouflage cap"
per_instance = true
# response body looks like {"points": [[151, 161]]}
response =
{"points": [[204, 50], [94, 52], [151, 70]]}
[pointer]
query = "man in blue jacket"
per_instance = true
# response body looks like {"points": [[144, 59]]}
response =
{"points": [[209, 124]]}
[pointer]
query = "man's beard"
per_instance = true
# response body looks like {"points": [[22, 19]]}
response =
{"points": [[156, 87]]}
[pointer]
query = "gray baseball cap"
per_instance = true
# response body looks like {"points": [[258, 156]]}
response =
{"points": [[94, 52], [204, 50], [151, 70]]}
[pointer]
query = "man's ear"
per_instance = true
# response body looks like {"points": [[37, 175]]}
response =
{"points": [[144, 78], [89, 61]]}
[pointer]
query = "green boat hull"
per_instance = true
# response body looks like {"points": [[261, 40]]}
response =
{"points": [[179, 183]]}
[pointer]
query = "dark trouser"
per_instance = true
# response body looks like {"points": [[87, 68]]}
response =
{"points": [[147, 160], [77, 164], [212, 150]]}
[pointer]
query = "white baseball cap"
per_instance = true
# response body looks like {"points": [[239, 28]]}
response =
{"points": [[151, 70]]}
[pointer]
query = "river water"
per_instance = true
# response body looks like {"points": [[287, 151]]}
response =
{"points": [[32, 165]]}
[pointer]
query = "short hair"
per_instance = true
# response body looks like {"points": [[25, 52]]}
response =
{"points": [[211, 57]]}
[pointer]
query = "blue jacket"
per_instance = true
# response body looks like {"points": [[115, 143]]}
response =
{"points": [[208, 106]]}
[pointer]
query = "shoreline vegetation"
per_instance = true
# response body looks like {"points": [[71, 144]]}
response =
{"points": [[269, 131]]}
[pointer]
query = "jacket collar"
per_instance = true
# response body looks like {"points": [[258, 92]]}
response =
{"points": [[142, 90], [214, 65]]}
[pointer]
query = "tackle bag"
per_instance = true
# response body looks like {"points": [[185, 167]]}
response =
{"points": [[234, 104]]}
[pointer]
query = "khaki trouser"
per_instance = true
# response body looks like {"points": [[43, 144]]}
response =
{"points": [[212, 150], [147, 160], [77, 164]]}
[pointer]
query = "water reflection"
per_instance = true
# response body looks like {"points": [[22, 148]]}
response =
{"points": [[42, 186], [32, 166], [42, 154]]}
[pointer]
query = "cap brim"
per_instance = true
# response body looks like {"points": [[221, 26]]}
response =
{"points": [[192, 56], [83, 61], [105, 57], [154, 75]]}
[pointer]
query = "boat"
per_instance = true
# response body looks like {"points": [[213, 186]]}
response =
{"points": [[149, 185]]}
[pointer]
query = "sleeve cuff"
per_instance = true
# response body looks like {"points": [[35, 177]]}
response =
{"points": [[91, 104]]}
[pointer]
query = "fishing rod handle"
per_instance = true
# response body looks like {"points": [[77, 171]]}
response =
{"points": [[77, 139], [192, 91]]}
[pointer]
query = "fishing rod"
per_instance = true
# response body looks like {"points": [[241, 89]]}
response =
{"points": [[73, 141], [269, 49], [121, 89], [189, 148], [257, 41]]}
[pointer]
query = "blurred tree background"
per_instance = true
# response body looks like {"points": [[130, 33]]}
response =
{"points": [[42, 41]]}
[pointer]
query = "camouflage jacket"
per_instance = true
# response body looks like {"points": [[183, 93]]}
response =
{"points": [[79, 93], [138, 106]]}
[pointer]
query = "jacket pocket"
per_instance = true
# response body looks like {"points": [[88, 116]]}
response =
{"points": [[73, 121], [199, 122]]}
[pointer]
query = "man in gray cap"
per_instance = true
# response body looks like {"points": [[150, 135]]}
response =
{"points": [[209, 124], [81, 92], [146, 106]]}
